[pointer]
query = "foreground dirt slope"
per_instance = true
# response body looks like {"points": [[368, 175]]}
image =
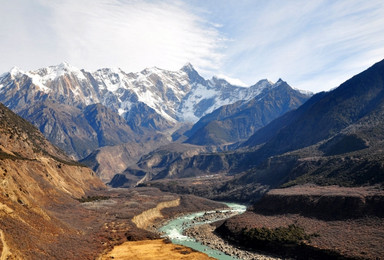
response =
{"points": [[333, 217], [153, 249], [34, 177]]}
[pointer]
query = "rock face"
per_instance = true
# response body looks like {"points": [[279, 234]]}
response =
{"points": [[77, 131], [329, 202], [35, 176]]}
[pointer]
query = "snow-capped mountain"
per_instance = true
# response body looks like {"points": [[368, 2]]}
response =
{"points": [[81, 111], [176, 96]]}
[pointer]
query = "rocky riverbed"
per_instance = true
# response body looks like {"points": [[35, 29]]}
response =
{"points": [[204, 233]]}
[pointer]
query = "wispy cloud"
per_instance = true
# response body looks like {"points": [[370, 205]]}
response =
{"points": [[313, 45], [132, 35]]}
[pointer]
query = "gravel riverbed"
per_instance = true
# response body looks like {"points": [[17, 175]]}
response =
{"points": [[204, 233]]}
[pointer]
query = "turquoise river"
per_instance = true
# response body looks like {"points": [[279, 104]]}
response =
{"points": [[175, 228]]}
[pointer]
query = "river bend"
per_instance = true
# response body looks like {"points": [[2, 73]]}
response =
{"points": [[174, 229]]}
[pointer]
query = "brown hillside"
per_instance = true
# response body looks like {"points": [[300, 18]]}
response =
{"points": [[34, 177]]}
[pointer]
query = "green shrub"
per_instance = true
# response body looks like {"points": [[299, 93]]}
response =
{"points": [[292, 235], [93, 198]]}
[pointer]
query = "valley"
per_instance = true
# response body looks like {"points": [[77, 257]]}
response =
{"points": [[93, 162]]}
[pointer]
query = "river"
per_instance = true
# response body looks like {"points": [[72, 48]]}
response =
{"points": [[175, 228]]}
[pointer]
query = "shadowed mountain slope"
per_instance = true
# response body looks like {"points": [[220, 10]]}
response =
{"points": [[77, 131], [326, 114], [335, 137], [238, 121]]}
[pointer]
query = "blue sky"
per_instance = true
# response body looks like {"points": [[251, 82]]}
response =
{"points": [[313, 45]]}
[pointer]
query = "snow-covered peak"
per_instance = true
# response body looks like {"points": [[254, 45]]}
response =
{"points": [[262, 84], [64, 65], [304, 92], [265, 81], [63, 68], [15, 72], [279, 82], [181, 95], [106, 71], [43, 77], [152, 70], [216, 79], [187, 67], [232, 81]]}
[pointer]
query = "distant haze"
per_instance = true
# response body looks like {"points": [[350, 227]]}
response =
{"points": [[313, 45]]}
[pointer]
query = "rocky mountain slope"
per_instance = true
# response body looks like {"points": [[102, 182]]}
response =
{"points": [[238, 121], [358, 101], [84, 113], [35, 176], [79, 131], [108, 160], [168, 96], [335, 138], [216, 132]]}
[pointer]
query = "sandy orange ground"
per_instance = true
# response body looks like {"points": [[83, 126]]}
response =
{"points": [[152, 249]]}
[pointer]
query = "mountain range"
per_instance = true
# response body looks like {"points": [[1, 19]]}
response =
{"points": [[333, 138], [238, 121], [268, 133], [84, 113], [175, 96]]}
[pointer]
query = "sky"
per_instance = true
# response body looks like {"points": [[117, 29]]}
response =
{"points": [[313, 45]]}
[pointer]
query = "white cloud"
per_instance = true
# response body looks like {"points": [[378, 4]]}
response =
{"points": [[313, 45], [310, 44], [132, 35]]}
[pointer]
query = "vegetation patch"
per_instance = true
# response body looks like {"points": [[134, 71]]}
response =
{"points": [[93, 198], [292, 234]]}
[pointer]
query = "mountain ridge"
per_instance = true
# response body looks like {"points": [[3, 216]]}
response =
{"points": [[181, 90], [129, 107], [335, 138], [238, 121]]}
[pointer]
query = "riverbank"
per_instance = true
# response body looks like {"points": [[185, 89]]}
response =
{"points": [[327, 222], [206, 236], [195, 231], [142, 236]]}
